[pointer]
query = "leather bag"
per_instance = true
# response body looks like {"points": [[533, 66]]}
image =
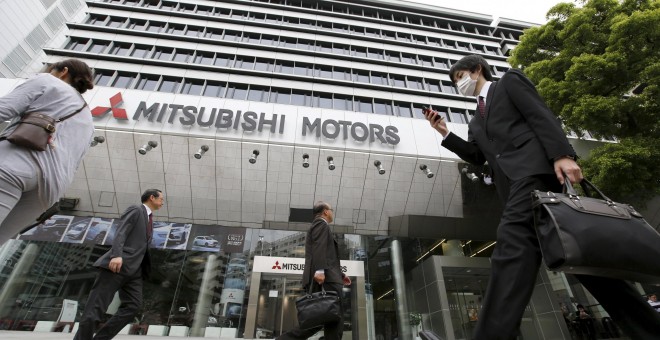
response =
{"points": [[35, 129], [595, 236], [317, 309]]}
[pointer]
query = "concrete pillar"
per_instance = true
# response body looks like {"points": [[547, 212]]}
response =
{"points": [[253, 305], [452, 248], [402, 317], [205, 296]]}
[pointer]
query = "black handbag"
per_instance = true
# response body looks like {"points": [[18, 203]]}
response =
{"points": [[34, 130], [317, 309], [595, 236]]}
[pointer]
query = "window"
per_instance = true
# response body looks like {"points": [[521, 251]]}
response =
{"points": [[282, 66], [417, 110], [155, 26], [214, 89], [175, 29], [116, 22], [252, 38], [308, 22], [441, 62], [301, 98], [102, 77], [388, 34], [244, 62], [379, 78], [324, 100], [163, 53], [237, 91], [187, 8], [359, 51], [204, 58], [442, 111], [363, 104], [214, 33], [435, 42], [419, 39], [168, 5], [341, 49], [147, 82], [432, 85], [341, 73], [204, 10], [403, 37], [141, 51], [408, 58], [303, 69], [361, 76], [183, 56], [194, 31], [222, 12], [288, 42], [426, 61], [305, 44], [383, 107], [223, 60], [170, 85], [240, 15], [232, 35], [266, 65], [357, 30], [76, 44], [271, 40], [258, 93], [280, 96], [343, 102], [273, 19], [340, 27], [448, 87], [402, 109], [462, 46], [324, 71], [375, 53], [398, 80], [393, 56], [457, 116], [324, 47], [124, 80], [95, 19], [257, 16], [372, 32], [98, 46], [120, 49], [415, 83]]}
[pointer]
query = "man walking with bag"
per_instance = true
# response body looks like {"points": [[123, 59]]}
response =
{"points": [[122, 269], [322, 261], [526, 149]]}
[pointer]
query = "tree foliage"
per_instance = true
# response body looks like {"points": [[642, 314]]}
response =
{"points": [[597, 65]]}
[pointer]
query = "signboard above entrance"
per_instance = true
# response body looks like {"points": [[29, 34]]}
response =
{"points": [[295, 265]]}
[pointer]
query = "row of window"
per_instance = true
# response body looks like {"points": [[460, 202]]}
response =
{"points": [[181, 29], [273, 40], [260, 64], [327, 7], [268, 94]]}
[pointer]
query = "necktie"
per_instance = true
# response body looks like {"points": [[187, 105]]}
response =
{"points": [[150, 227], [482, 107]]}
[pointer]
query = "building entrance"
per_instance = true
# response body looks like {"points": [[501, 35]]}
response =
{"points": [[272, 301]]}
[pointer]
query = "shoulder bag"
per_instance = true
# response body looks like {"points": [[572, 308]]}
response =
{"points": [[317, 309], [595, 236], [35, 129]]}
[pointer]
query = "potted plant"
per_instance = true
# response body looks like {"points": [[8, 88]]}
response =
{"points": [[415, 320]]}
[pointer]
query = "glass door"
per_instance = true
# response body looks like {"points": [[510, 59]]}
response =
{"points": [[276, 311]]}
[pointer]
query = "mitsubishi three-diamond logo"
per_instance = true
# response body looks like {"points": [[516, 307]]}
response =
{"points": [[115, 102], [277, 265]]}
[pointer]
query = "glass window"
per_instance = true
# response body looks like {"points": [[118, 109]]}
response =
{"points": [[403, 109], [432, 85], [324, 71], [383, 107], [415, 83], [340, 27], [343, 102], [325, 100], [204, 58], [98, 46], [187, 7], [244, 62], [305, 44], [124, 80], [419, 39], [341, 73], [102, 77], [301, 98], [361, 76], [170, 85], [192, 86], [194, 31], [280, 95], [168, 5], [237, 91], [371, 13], [403, 37], [461, 46], [258, 93], [183, 56], [232, 35], [324, 25], [273, 19], [426, 61], [267, 39], [213, 33], [379, 78], [388, 34], [120, 49], [417, 110], [398, 80], [374, 53], [359, 51], [155, 26], [266, 65], [223, 60], [205, 10], [357, 30], [222, 12], [323, 46], [441, 62], [282, 66], [308, 22], [141, 51], [214, 89], [408, 58], [399, 17], [288, 42], [448, 87], [163, 53], [363, 104], [95, 19], [137, 24], [76, 44], [241, 15], [441, 110], [254, 16], [175, 29], [372, 32], [341, 49], [147, 82], [252, 38], [303, 69], [393, 56], [116, 22], [457, 116]]}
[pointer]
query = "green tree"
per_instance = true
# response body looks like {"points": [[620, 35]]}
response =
{"points": [[597, 65]]}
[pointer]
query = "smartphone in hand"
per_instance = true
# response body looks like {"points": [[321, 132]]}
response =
{"points": [[427, 111]]}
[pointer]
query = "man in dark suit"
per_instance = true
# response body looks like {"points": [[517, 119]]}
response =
{"points": [[526, 149], [321, 262], [122, 269]]}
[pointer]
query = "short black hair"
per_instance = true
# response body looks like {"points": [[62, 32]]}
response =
{"points": [[471, 64], [319, 208], [580, 306], [150, 192]]}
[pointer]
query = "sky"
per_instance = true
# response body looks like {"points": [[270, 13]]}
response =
{"points": [[525, 10]]}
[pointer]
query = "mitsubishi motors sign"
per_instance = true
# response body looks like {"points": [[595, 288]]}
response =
{"points": [[295, 265]]}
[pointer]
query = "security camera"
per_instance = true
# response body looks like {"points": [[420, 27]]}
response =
{"points": [[380, 167], [331, 163], [253, 158], [145, 148], [305, 160], [426, 170], [201, 151]]}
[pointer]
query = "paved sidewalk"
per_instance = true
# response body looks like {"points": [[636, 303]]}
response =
{"points": [[18, 335]]}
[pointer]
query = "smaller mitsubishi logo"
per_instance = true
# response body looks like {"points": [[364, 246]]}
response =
{"points": [[117, 112], [277, 265]]}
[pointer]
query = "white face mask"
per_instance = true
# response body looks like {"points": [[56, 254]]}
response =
{"points": [[466, 85]]}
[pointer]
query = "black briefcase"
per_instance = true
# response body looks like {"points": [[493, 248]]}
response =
{"points": [[317, 309], [595, 236]]}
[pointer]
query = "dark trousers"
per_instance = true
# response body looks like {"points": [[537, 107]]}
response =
{"points": [[515, 263], [103, 291], [331, 331]]}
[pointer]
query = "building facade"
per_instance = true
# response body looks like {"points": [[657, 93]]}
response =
{"points": [[246, 112]]}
